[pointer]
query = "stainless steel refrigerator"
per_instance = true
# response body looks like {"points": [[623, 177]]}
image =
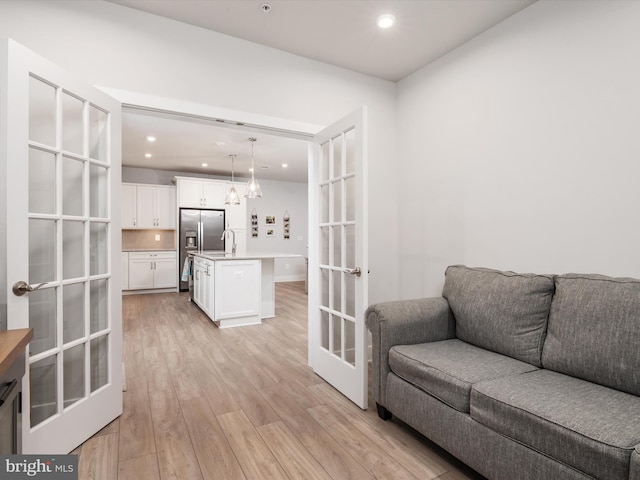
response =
{"points": [[200, 230]]}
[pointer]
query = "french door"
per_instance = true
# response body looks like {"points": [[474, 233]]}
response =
{"points": [[61, 153], [338, 269]]}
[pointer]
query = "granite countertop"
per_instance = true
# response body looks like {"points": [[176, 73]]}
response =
{"points": [[213, 255], [12, 343]]}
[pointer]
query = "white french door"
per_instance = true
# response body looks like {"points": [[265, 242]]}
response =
{"points": [[62, 161], [338, 267]]}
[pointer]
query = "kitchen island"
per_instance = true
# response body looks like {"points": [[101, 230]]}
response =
{"points": [[235, 290]]}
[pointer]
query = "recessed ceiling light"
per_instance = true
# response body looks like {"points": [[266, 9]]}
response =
{"points": [[385, 21], [284, 165], [151, 138], [148, 155], [205, 164], [251, 169], [219, 143], [265, 7]]}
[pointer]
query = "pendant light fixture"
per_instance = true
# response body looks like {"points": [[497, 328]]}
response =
{"points": [[253, 187], [232, 196]]}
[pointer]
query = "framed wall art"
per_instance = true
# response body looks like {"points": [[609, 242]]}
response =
{"points": [[254, 224], [286, 225]]}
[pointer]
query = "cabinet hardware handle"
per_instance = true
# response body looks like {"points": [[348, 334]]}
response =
{"points": [[134, 222]]}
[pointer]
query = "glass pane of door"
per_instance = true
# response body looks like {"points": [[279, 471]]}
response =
{"points": [[72, 249], [73, 374], [72, 189], [42, 318], [98, 134], [99, 362], [42, 112], [72, 124], [98, 247], [42, 181], [44, 389], [98, 306], [73, 312], [98, 191], [42, 251]]}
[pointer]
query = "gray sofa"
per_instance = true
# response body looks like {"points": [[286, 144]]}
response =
{"points": [[520, 376]]}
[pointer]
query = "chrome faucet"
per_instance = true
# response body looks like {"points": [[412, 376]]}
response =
{"points": [[233, 241]]}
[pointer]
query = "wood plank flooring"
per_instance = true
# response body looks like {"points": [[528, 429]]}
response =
{"points": [[241, 403]]}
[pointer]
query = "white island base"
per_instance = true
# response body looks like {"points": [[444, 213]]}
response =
{"points": [[235, 290]]}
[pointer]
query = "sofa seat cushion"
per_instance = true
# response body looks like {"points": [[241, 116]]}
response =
{"points": [[584, 425], [505, 312], [448, 369]]}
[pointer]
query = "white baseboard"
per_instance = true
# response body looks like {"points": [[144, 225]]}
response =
{"points": [[290, 278]]}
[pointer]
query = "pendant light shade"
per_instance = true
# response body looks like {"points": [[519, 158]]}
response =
{"points": [[253, 187], [232, 196]]}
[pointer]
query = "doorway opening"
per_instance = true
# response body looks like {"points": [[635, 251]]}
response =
{"points": [[186, 144]]}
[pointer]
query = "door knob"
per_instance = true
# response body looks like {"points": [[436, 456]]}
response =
{"points": [[353, 271], [20, 288]]}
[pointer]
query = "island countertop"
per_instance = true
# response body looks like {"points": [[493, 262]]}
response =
{"points": [[215, 255]]}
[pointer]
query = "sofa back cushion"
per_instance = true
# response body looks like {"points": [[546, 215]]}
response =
{"points": [[594, 330], [505, 312]]}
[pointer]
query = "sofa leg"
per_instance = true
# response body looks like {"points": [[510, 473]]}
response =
{"points": [[383, 413]]}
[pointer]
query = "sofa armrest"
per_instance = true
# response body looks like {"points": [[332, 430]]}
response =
{"points": [[404, 322], [634, 467]]}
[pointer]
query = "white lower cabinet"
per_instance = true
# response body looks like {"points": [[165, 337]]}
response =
{"points": [[203, 283], [228, 291], [148, 270], [125, 270], [237, 293]]}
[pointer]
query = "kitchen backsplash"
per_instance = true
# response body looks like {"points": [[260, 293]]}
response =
{"points": [[146, 240]]}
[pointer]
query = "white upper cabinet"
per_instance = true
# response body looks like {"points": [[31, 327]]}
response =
{"points": [[200, 193], [213, 194], [189, 193], [166, 207], [128, 206], [148, 206], [145, 206]]}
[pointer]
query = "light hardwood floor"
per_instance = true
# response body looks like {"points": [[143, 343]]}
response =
{"points": [[241, 403]]}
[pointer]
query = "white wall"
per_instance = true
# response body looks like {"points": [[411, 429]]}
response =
{"points": [[520, 149], [278, 197], [120, 48]]}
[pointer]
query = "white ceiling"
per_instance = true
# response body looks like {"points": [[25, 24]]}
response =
{"points": [[344, 32], [338, 32], [184, 145]]}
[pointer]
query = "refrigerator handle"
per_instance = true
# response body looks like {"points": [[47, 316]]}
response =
{"points": [[199, 236]]}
